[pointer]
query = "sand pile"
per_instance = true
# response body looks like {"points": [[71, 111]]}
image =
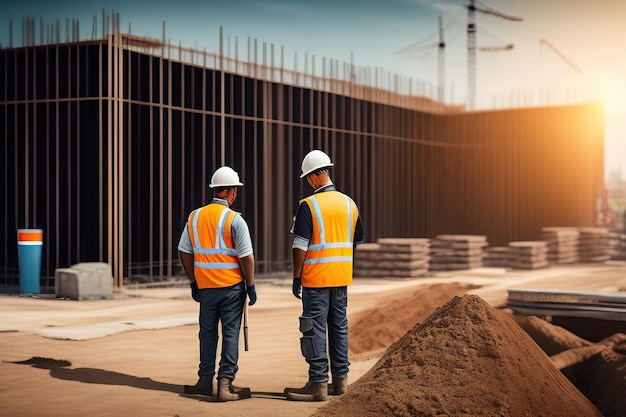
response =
{"points": [[551, 339], [599, 372], [604, 380], [598, 369], [380, 326], [465, 359]]}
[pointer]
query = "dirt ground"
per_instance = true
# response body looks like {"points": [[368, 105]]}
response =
{"points": [[133, 354]]}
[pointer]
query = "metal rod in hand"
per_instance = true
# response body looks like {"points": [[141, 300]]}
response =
{"points": [[245, 325]]}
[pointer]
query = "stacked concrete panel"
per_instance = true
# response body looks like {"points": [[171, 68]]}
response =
{"points": [[594, 244], [497, 257], [618, 246], [392, 257], [529, 254], [456, 252], [562, 244]]}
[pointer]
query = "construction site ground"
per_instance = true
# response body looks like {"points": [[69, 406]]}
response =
{"points": [[131, 355]]}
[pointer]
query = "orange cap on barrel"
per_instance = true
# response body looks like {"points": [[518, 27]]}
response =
{"points": [[29, 236]]}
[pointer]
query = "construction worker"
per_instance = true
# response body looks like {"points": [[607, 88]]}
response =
{"points": [[215, 249], [326, 229]]}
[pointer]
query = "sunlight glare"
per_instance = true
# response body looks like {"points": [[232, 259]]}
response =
{"points": [[614, 96]]}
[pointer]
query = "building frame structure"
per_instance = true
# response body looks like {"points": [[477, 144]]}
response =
{"points": [[108, 144]]}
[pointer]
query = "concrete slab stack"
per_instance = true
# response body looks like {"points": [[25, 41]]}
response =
{"points": [[392, 257], [594, 244], [457, 252], [497, 257], [562, 244], [618, 246], [529, 254]]}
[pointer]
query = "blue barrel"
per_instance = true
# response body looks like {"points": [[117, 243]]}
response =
{"points": [[29, 247]]}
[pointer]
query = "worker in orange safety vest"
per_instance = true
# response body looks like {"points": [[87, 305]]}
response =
{"points": [[215, 249], [327, 228]]}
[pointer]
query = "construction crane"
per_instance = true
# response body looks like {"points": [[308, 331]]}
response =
{"points": [[502, 47], [471, 46], [560, 55], [441, 45], [507, 47]]}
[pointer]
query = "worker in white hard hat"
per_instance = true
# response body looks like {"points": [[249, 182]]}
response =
{"points": [[326, 229], [215, 249]]}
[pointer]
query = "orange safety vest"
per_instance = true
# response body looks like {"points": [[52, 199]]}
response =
{"points": [[215, 260], [328, 260]]}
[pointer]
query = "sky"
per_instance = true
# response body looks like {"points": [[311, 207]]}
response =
{"points": [[563, 50]]}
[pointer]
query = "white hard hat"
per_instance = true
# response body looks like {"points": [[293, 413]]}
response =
{"points": [[313, 161], [225, 177]]}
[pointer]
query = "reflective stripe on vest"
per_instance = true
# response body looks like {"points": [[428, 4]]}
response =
{"points": [[215, 259], [328, 261]]}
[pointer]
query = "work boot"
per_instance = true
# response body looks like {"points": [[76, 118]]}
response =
{"points": [[227, 392], [243, 392], [316, 391], [303, 390], [204, 386], [339, 386]]}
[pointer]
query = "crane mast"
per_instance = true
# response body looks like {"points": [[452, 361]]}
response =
{"points": [[471, 55], [441, 63], [471, 46], [441, 45]]}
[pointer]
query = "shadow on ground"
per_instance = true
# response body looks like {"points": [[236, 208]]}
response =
{"points": [[61, 369]]}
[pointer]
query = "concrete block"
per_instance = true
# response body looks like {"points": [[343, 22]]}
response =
{"points": [[66, 283], [84, 281]]}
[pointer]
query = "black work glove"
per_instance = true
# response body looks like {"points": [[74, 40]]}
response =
{"points": [[195, 292], [251, 294], [296, 288]]}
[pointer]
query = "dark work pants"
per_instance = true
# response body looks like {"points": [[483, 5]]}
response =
{"points": [[223, 305], [326, 309]]}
